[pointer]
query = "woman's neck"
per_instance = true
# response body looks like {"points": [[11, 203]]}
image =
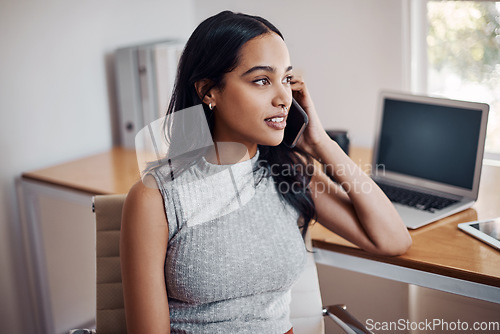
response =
{"points": [[229, 153]]}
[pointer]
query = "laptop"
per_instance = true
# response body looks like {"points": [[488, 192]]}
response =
{"points": [[428, 154]]}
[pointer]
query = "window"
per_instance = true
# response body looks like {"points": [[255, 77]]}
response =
{"points": [[463, 57]]}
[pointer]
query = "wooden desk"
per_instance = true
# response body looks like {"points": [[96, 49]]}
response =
{"points": [[441, 257], [112, 172]]}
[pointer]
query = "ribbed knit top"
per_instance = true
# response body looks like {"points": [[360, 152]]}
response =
{"points": [[234, 249]]}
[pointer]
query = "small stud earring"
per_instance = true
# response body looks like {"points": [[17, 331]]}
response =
{"points": [[210, 106]]}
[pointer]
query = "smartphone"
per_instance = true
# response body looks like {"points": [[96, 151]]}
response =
{"points": [[296, 123]]}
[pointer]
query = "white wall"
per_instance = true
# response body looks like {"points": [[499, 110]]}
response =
{"points": [[56, 98], [347, 51]]}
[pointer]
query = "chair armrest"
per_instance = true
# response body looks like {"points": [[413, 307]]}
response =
{"points": [[345, 320]]}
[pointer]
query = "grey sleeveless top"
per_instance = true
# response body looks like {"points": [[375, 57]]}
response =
{"points": [[234, 249]]}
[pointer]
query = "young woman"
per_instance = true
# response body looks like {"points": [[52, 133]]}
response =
{"points": [[232, 271]]}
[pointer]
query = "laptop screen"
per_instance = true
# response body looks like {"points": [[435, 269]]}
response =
{"points": [[429, 141]]}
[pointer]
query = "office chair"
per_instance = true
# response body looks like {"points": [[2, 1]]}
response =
{"points": [[306, 312]]}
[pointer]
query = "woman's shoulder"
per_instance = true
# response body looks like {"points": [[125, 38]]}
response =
{"points": [[144, 202], [143, 191]]}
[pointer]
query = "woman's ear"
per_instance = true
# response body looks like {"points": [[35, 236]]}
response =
{"points": [[204, 89]]}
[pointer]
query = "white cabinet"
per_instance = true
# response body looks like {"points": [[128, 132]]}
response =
{"points": [[59, 239]]}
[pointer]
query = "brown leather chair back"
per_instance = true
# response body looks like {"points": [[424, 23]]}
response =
{"points": [[110, 311]]}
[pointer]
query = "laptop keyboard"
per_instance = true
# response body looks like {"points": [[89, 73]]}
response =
{"points": [[415, 199]]}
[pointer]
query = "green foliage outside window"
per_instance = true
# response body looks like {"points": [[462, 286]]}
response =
{"points": [[464, 46]]}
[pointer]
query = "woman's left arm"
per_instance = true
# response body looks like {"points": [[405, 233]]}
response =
{"points": [[354, 207]]}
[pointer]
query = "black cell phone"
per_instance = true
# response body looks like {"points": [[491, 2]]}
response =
{"points": [[296, 123]]}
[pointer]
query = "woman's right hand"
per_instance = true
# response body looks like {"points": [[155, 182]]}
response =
{"points": [[314, 134]]}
